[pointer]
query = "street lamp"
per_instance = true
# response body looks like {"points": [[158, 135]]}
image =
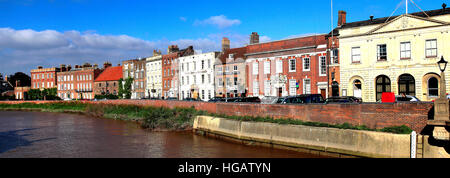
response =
{"points": [[441, 109], [442, 64]]}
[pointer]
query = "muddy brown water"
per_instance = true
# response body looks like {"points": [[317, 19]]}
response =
{"points": [[61, 135]]}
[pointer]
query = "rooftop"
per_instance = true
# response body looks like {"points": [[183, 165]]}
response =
{"points": [[110, 74]]}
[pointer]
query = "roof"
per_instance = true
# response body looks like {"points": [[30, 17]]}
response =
{"points": [[430, 13], [110, 74], [308, 41], [238, 53]]}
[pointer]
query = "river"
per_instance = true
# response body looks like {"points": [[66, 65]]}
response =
{"points": [[60, 135]]}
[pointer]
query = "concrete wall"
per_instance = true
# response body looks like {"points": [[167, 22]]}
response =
{"points": [[348, 142]]}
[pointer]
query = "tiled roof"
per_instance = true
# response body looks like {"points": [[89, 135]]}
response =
{"points": [[238, 53], [110, 74], [287, 44]]}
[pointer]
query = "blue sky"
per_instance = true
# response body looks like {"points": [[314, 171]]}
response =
{"points": [[51, 32]]}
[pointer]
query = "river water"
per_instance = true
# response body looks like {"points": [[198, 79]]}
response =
{"points": [[55, 135]]}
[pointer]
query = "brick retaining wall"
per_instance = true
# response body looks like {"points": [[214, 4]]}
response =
{"points": [[373, 115]]}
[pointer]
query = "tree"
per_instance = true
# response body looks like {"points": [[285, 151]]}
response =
{"points": [[125, 88], [24, 79]]}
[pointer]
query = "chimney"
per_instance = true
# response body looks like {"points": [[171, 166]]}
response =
{"points": [[77, 66], [62, 68], [371, 18], [39, 67], [96, 66], [106, 65], [254, 38], [342, 19], [225, 44], [156, 53], [172, 49], [69, 67]]}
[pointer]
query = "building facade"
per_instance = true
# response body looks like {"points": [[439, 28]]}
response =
{"points": [[43, 78], [135, 69], [154, 77], [107, 82], [77, 83], [20, 92], [288, 67], [394, 54], [230, 73], [197, 76], [170, 70]]}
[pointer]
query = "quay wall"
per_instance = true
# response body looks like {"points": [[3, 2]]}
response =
{"points": [[372, 115]]}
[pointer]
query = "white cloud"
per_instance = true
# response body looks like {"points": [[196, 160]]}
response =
{"points": [[23, 50], [220, 21]]}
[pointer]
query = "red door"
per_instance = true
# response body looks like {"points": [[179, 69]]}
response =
{"points": [[323, 92]]}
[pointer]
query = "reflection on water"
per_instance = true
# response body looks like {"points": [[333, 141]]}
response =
{"points": [[34, 134]]}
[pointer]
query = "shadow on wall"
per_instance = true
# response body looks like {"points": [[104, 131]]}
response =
{"points": [[10, 140], [428, 130]]}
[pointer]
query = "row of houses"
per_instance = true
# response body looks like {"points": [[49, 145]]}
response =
{"points": [[364, 59]]}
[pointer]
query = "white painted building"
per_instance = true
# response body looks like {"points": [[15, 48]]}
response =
{"points": [[197, 76], [154, 77]]}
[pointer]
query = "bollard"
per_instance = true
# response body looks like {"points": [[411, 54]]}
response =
{"points": [[413, 144]]}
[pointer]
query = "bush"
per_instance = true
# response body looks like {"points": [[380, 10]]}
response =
{"points": [[397, 129]]}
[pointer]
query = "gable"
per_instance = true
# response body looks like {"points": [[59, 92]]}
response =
{"points": [[405, 22]]}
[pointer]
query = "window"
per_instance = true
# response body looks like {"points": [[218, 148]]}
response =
{"points": [[255, 88], [203, 79], [433, 87], [255, 68], [306, 64], [203, 94], [292, 87], [267, 88], [279, 66], [182, 80], [195, 79], [195, 66], [431, 48], [203, 64], [220, 82], [292, 67], [323, 65], [235, 81], [356, 55], [266, 67], [307, 86], [381, 52], [405, 50], [235, 68]]}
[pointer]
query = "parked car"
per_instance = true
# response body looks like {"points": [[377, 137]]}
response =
{"points": [[249, 100], [343, 99], [269, 100], [191, 99], [406, 98], [172, 98], [306, 98], [217, 99], [231, 99]]}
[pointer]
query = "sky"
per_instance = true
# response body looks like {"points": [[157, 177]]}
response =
{"points": [[54, 32]]}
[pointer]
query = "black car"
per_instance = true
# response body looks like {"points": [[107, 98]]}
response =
{"points": [[249, 100], [231, 99], [216, 99], [172, 98], [302, 99], [343, 99], [191, 99]]}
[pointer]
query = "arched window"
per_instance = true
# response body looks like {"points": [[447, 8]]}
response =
{"points": [[433, 87], [357, 87], [406, 85], [383, 84]]}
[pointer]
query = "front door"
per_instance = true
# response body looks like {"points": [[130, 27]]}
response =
{"points": [[323, 92]]}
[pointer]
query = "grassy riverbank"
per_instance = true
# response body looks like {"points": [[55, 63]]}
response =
{"points": [[159, 118]]}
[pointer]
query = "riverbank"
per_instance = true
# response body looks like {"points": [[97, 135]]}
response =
{"points": [[169, 119]]}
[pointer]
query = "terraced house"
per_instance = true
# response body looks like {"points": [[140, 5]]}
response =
{"points": [[288, 67], [77, 83], [394, 54], [108, 81], [154, 78], [43, 78], [135, 69], [170, 70]]}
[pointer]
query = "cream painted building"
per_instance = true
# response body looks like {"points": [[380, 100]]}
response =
{"points": [[154, 76], [397, 54]]}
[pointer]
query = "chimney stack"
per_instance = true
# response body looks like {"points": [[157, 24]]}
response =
{"points": [[39, 67], [172, 49], [156, 53], [225, 44], [62, 68], [254, 38], [69, 67], [106, 65], [342, 19]]}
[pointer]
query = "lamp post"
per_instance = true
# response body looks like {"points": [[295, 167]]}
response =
{"points": [[441, 108]]}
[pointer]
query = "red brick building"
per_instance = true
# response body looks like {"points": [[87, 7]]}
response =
{"points": [[136, 69], [77, 83], [108, 81], [170, 71], [43, 78], [288, 67]]}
